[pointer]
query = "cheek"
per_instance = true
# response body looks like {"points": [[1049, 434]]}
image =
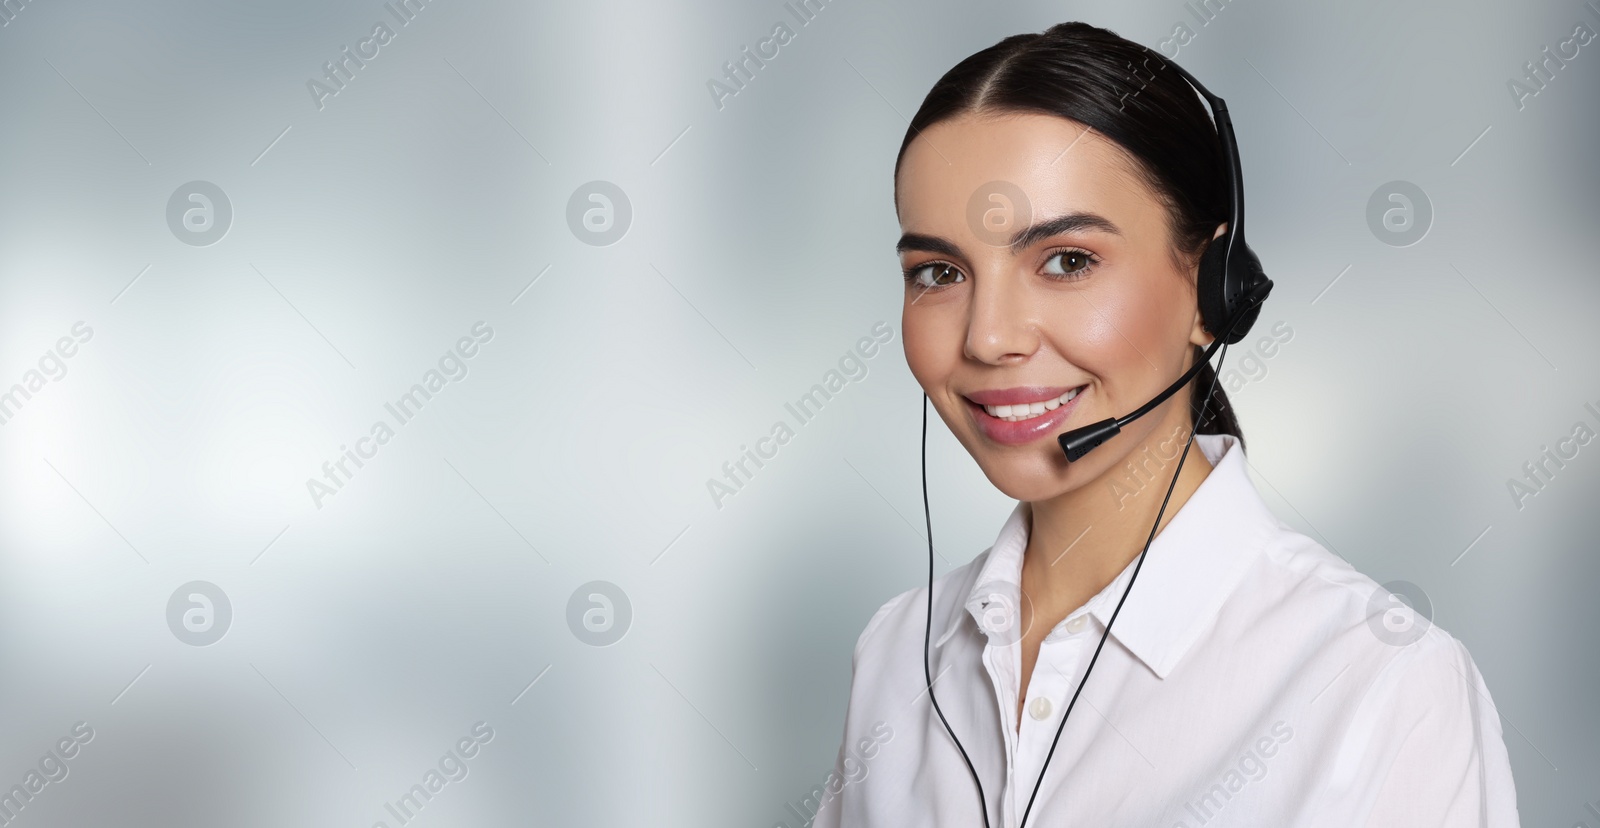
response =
{"points": [[1097, 335], [1135, 324], [932, 343]]}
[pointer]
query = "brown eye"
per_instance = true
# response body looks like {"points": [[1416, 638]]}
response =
{"points": [[934, 275], [1072, 264]]}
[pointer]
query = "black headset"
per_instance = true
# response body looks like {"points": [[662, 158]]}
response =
{"points": [[1230, 288]]}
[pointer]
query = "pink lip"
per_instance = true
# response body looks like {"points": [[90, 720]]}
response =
{"points": [[1021, 394], [1024, 431]]}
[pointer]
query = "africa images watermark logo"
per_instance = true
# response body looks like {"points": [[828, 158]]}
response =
{"points": [[599, 613], [1251, 767], [339, 72], [199, 613], [741, 71], [1541, 472], [854, 771], [453, 767], [1399, 613], [852, 368], [52, 768], [1540, 73], [452, 367], [52, 366]]}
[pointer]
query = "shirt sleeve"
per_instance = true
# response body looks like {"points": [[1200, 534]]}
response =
{"points": [[833, 790], [1426, 746], [828, 813]]}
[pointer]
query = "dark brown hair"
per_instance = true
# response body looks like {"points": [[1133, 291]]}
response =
{"points": [[1126, 93]]}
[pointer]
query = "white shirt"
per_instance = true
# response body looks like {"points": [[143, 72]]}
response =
{"points": [[1251, 679]]}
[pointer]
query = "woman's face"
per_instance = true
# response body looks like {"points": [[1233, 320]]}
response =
{"points": [[1041, 272]]}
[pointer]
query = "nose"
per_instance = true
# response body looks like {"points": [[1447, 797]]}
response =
{"points": [[1001, 328]]}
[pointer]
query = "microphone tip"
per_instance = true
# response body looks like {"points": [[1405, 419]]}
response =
{"points": [[1080, 441]]}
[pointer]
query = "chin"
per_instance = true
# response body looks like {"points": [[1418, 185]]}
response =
{"points": [[1036, 472]]}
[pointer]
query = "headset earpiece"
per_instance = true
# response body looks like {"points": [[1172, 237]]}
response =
{"points": [[1221, 286]]}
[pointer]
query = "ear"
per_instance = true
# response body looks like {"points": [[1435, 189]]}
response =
{"points": [[1198, 334]]}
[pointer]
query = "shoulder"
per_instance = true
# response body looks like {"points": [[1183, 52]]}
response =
{"points": [[1300, 584], [905, 616], [1415, 736], [1411, 731], [1399, 658]]}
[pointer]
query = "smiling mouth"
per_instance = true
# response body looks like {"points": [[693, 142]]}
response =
{"points": [[1027, 411]]}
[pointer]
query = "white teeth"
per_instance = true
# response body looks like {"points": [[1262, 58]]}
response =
{"points": [[1024, 411]]}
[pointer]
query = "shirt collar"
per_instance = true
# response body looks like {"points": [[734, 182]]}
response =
{"points": [[1190, 569]]}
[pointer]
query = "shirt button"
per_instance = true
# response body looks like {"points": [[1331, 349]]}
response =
{"points": [[1076, 625], [1039, 708]]}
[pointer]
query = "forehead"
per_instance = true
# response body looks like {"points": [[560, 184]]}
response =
{"points": [[1059, 165]]}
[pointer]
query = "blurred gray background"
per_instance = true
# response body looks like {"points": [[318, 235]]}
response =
{"points": [[189, 356]]}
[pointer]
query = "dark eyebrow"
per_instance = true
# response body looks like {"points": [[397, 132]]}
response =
{"points": [[1065, 223], [927, 244]]}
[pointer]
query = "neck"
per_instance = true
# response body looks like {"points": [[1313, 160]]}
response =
{"points": [[1080, 540]]}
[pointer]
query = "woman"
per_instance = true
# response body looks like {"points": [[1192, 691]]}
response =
{"points": [[1253, 678]]}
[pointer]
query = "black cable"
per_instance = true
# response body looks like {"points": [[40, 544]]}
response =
{"points": [[927, 673]]}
